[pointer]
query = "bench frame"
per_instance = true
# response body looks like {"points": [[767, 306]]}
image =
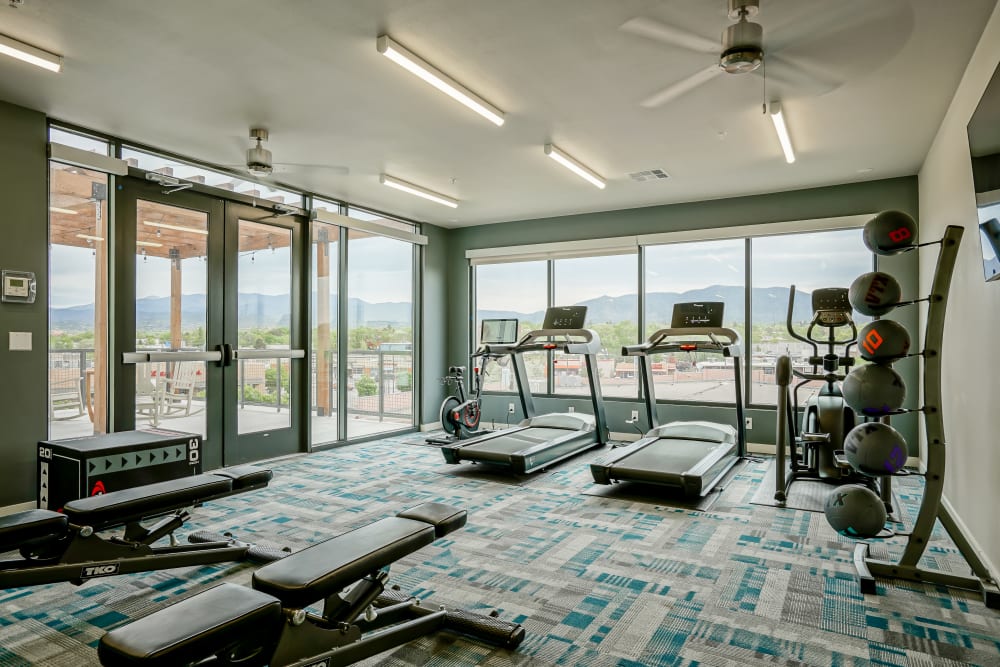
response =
{"points": [[359, 621], [79, 553]]}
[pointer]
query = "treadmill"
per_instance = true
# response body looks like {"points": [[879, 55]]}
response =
{"points": [[541, 440], [692, 456]]}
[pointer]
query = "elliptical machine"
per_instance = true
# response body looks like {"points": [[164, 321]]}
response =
{"points": [[816, 449]]}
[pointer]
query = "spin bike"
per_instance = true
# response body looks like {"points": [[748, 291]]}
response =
{"points": [[816, 449], [461, 412]]}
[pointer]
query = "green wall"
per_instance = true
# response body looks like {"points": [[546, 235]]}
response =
{"points": [[433, 336], [24, 225], [851, 199]]}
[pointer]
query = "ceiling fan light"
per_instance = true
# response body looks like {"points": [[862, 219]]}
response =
{"points": [[742, 47], [259, 161]]}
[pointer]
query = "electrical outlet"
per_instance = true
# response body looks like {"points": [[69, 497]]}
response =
{"points": [[749, 423], [510, 408], [571, 409], [635, 415]]}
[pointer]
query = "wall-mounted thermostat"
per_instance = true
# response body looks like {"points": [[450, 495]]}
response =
{"points": [[18, 286]]}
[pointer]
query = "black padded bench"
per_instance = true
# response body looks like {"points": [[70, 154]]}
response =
{"points": [[268, 620], [64, 547]]}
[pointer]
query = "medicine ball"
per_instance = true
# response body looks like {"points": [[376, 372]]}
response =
{"points": [[874, 293], [875, 449], [890, 232], [883, 341], [854, 510], [874, 390]]}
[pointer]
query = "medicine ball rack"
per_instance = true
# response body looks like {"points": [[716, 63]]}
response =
{"points": [[931, 507]]}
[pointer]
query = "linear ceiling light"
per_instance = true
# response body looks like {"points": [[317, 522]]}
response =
{"points": [[90, 237], [578, 168], [415, 65], [30, 54], [67, 211], [149, 244], [774, 110], [176, 228], [394, 182]]}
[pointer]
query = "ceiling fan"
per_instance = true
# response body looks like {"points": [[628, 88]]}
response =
{"points": [[741, 51], [260, 163]]}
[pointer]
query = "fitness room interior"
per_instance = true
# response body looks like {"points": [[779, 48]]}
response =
{"points": [[456, 332]]}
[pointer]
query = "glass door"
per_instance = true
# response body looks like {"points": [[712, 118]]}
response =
{"points": [[262, 316], [168, 325], [206, 329]]}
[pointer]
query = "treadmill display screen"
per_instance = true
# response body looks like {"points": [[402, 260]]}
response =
{"points": [[702, 314], [498, 331], [565, 317]]}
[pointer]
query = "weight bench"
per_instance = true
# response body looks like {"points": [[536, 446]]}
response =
{"points": [[65, 546], [269, 625]]}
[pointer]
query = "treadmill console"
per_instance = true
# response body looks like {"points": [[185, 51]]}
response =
{"points": [[565, 317], [831, 307], [498, 331], [700, 314]]}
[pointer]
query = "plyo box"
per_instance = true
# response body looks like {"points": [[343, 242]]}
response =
{"points": [[92, 465]]}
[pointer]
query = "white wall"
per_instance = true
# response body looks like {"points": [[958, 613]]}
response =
{"points": [[971, 356]]}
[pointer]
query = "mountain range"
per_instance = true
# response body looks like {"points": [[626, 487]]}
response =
{"points": [[770, 304], [258, 311], [265, 311]]}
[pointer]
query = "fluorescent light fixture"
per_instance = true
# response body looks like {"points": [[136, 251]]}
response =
{"points": [[176, 228], [394, 182], [30, 54], [90, 237], [415, 65], [67, 211], [774, 110], [149, 244], [575, 166]]}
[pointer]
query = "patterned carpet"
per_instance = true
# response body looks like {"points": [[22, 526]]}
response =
{"points": [[595, 581]]}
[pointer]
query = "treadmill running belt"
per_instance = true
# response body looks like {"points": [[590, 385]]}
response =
{"points": [[669, 461], [517, 441]]}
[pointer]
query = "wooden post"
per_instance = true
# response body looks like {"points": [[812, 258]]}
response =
{"points": [[323, 324], [175, 299], [100, 379]]}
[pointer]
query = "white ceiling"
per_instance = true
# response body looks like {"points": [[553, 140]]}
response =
{"points": [[191, 77]]}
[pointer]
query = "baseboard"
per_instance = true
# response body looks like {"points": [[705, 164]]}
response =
{"points": [[20, 507], [978, 551]]}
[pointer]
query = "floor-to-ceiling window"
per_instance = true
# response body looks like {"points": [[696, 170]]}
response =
{"points": [[79, 240], [607, 286], [325, 316], [517, 290], [676, 268], [380, 319], [808, 261], [695, 271]]}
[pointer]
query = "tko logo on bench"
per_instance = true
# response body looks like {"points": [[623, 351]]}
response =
{"points": [[321, 663], [91, 571]]}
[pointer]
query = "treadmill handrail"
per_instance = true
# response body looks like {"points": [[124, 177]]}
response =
{"points": [[666, 340], [588, 342]]}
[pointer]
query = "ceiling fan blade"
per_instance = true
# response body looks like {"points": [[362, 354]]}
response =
{"points": [[800, 75], [285, 167], [661, 32], [684, 85]]}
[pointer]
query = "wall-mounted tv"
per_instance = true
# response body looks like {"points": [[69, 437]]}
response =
{"points": [[984, 147]]}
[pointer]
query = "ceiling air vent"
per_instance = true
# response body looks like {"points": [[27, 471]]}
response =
{"points": [[649, 175]]}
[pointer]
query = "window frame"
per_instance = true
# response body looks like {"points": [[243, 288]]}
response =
{"points": [[550, 252]]}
